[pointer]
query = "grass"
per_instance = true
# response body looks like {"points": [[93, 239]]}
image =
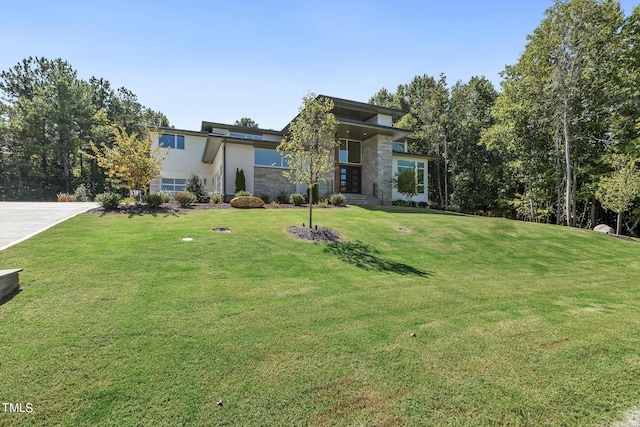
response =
{"points": [[120, 322]]}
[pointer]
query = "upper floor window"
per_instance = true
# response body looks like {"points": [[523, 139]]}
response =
{"points": [[399, 147], [245, 135], [171, 141], [350, 151], [271, 158]]}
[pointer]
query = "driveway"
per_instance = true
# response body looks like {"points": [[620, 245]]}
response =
{"points": [[21, 220]]}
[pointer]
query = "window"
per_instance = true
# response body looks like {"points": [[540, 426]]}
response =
{"points": [[245, 135], [172, 185], [418, 168], [399, 147], [350, 151], [271, 158], [171, 141]]}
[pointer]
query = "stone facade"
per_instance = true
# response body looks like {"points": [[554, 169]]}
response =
{"points": [[376, 167], [270, 182]]}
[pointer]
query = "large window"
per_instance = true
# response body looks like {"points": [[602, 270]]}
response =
{"points": [[172, 185], [350, 151], [399, 147], [271, 158], [418, 170], [172, 141]]}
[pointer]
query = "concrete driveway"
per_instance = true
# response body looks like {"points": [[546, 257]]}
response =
{"points": [[21, 220]]}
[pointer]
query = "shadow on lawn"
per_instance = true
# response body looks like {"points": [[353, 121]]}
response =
{"points": [[368, 258]]}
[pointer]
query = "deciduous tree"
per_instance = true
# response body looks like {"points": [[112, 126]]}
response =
{"points": [[310, 143], [618, 190]]}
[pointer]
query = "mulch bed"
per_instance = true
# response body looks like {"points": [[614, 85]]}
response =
{"points": [[315, 235], [174, 208]]}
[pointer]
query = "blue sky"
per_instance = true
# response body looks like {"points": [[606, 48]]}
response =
{"points": [[223, 60]]}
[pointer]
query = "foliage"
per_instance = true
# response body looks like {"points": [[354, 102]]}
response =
{"points": [[296, 199], [405, 182], [337, 199], [618, 190], [133, 161], [216, 199], [153, 200], [185, 199], [240, 181], [64, 197], [242, 193], [166, 197], [310, 144], [81, 194], [49, 115], [196, 186], [246, 122], [108, 200]]}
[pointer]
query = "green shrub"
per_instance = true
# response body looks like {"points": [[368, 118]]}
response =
{"points": [[216, 199], [128, 200], [323, 202], [108, 200], [166, 197], [282, 197], [196, 186], [242, 193], [296, 199], [423, 204], [265, 198], [337, 199], [240, 181], [64, 197], [152, 200], [185, 198], [81, 194]]}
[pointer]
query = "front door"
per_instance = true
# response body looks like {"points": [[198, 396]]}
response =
{"points": [[350, 179]]}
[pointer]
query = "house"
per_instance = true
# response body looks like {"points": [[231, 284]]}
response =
{"points": [[371, 151]]}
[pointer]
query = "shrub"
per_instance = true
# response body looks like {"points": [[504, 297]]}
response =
{"points": [[240, 181], [296, 199], [323, 202], [128, 200], [65, 197], [274, 202], [185, 198], [242, 193], [108, 200], [423, 204], [166, 197], [265, 198], [81, 194], [152, 200], [282, 197], [196, 186], [337, 199], [216, 199]]}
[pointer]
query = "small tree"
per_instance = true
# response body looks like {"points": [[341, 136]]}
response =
{"points": [[405, 182], [132, 162], [621, 188], [240, 181], [196, 186], [246, 122], [310, 144]]}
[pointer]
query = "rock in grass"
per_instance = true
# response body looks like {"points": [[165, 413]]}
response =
{"points": [[247, 202]]}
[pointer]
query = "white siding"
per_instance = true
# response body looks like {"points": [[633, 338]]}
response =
{"points": [[239, 156], [424, 197]]}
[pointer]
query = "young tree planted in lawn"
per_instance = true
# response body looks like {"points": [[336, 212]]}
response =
{"points": [[132, 162], [310, 144], [405, 182], [621, 188]]}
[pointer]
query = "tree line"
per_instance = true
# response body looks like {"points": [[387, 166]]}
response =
{"points": [[559, 142], [48, 117]]}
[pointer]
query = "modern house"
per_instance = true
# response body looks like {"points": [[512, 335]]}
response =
{"points": [[370, 152]]}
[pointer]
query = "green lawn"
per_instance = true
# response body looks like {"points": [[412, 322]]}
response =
{"points": [[120, 322]]}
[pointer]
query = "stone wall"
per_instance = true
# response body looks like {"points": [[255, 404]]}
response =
{"points": [[377, 167], [270, 182]]}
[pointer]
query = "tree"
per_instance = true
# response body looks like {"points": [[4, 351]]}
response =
{"points": [[246, 122], [620, 188], [240, 181], [196, 186], [405, 182], [309, 145], [132, 162], [554, 114]]}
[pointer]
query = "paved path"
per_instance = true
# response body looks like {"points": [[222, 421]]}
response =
{"points": [[21, 220]]}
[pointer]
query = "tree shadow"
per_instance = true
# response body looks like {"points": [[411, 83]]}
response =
{"points": [[368, 258]]}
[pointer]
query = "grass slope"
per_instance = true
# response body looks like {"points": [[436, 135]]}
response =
{"points": [[120, 322]]}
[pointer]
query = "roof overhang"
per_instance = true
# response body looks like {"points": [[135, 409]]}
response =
{"points": [[353, 129]]}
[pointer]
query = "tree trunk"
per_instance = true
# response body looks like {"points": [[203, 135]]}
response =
{"points": [[619, 223], [446, 179], [567, 160], [311, 206]]}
